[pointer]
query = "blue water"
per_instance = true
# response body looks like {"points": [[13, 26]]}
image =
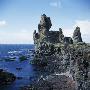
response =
{"points": [[27, 72]]}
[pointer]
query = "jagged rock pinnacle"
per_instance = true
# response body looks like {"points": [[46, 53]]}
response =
{"points": [[77, 35]]}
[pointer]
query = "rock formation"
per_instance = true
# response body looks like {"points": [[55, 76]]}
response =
{"points": [[77, 35], [6, 78], [62, 56], [61, 36], [45, 24], [68, 40], [45, 35]]}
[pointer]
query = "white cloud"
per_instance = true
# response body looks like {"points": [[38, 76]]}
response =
{"points": [[84, 28], [56, 3], [22, 36], [2, 23]]}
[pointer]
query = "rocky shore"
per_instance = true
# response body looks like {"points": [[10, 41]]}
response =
{"points": [[6, 78]]}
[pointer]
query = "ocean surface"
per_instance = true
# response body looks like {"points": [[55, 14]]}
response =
{"points": [[9, 61]]}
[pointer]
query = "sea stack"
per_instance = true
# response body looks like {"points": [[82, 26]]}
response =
{"points": [[77, 35]]}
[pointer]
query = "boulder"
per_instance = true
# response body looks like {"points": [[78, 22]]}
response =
{"points": [[6, 77]]}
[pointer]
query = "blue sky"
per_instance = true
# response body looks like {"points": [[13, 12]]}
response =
{"points": [[19, 18]]}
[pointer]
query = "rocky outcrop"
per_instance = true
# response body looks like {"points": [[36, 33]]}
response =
{"points": [[61, 36], [77, 35], [45, 35], [45, 24], [61, 55], [52, 82], [61, 59], [67, 40], [6, 77]]}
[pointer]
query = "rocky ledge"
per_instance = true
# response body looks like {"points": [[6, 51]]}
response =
{"points": [[6, 77]]}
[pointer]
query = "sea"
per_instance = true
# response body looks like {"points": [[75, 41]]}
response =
{"points": [[10, 62]]}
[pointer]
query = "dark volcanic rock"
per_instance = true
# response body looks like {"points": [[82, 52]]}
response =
{"points": [[59, 54], [68, 40], [77, 35], [61, 36], [6, 78], [45, 23], [22, 58], [52, 82]]}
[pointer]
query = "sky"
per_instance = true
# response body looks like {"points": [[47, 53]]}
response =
{"points": [[19, 18]]}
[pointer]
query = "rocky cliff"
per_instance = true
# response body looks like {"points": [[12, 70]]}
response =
{"points": [[61, 56]]}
